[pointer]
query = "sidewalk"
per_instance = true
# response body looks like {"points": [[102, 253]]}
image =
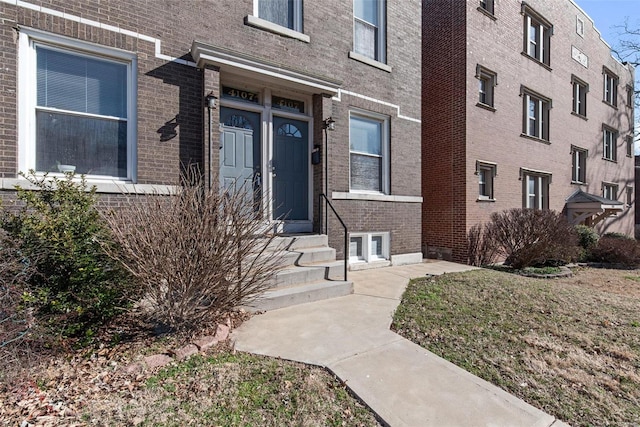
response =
{"points": [[402, 382]]}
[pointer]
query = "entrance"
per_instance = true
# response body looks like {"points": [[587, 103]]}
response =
{"points": [[290, 169]]}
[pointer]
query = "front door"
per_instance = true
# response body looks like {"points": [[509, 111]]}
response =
{"points": [[240, 151], [290, 167]]}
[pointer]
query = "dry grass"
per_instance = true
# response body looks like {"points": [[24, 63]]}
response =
{"points": [[570, 347]]}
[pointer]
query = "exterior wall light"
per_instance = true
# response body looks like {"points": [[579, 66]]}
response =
{"points": [[210, 100], [329, 124]]}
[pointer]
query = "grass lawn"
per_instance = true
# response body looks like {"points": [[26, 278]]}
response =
{"points": [[570, 346]]}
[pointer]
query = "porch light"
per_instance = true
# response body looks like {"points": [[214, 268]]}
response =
{"points": [[329, 124], [211, 99]]}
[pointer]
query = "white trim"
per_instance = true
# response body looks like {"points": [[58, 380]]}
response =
{"points": [[375, 197], [29, 38], [385, 150], [113, 187], [369, 61], [338, 98], [263, 24], [367, 256]]}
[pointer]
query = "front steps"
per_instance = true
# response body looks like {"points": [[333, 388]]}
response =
{"points": [[309, 273]]}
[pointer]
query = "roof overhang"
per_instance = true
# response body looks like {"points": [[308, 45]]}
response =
{"points": [[241, 64], [585, 208]]}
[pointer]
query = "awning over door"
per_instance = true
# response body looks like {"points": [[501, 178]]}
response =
{"points": [[589, 209], [241, 64]]}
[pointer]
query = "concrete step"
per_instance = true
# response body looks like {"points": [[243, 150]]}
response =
{"points": [[300, 241], [291, 276], [285, 297], [305, 256]]}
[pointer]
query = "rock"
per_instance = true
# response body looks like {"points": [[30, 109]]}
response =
{"points": [[157, 360], [206, 342], [133, 368], [186, 352], [222, 332]]}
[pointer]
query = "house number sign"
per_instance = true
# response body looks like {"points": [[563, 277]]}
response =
{"points": [[239, 94], [288, 104]]}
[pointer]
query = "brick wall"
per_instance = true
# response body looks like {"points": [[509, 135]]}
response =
{"points": [[170, 94]]}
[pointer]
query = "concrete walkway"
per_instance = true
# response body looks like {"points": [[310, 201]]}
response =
{"points": [[402, 382]]}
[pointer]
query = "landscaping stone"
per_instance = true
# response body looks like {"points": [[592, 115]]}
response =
{"points": [[222, 332], [157, 360], [133, 368], [186, 352], [206, 342]]}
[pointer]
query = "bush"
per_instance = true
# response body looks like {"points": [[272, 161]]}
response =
{"points": [[587, 237], [616, 250], [75, 284], [614, 235], [481, 246], [529, 237], [196, 254]]}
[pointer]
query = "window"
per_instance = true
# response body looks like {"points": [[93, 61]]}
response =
{"points": [[629, 196], [486, 173], [536, 189], [368, 247], [487, 5], [579, 165], [82, 115], [537, 36], [369, 29], [487, 80], [630, 97], [609, 191], [579, 26], [610, 88], [609, 141], [580, 90], [368, 142], [629, 140], [536, 115], [286, 13]]}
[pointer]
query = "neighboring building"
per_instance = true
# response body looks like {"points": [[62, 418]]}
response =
{"points": [[119, 90], [523, 106]]}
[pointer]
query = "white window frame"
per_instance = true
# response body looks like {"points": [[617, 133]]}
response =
{"points": [[381, 51], [298, 24], [367, 246], [384, 148], [537, 46], [536, 124], [610, 87], [27, 98], [490, 80], [580, 90], [609, 144], [297, 15], [610, 190], [540, 194], [579, 165], [490, 171], [580, 26]]}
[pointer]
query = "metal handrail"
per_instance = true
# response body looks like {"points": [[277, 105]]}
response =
{"points": [[326, 229]]}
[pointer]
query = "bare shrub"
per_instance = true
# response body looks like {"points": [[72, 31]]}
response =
{"points": [[531, 237], [616, 250], [196, 254], [481, 245]]}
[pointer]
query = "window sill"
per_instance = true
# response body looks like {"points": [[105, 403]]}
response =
{"points": [[537, 61], [102, 186], [375, 197], [615, 107], [535, 138], [485, 199], [579, 183], [485, 106], [486, 12], [263, 24], [369, 61], [573, 113], [610, 160]]}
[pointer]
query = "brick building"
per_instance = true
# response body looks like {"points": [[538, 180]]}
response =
{"points": [[129, 92], [523, 106]]}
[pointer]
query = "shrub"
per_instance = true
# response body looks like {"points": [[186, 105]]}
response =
{"points": [[529, 237], [587, 237], [481, 245], [196, 254], [60, 233], [614, 235], [616, 250]]}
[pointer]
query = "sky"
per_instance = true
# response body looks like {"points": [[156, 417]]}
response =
{"points": [[609, 13]]}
